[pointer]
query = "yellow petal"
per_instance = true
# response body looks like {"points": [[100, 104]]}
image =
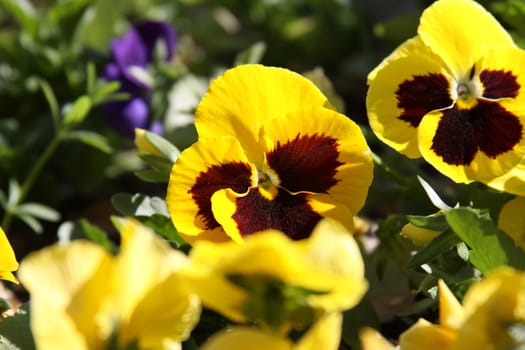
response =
{"points": [[418, 235], [403, 92], [371, 339], [424, 335], [324, 334], [460, 32], [512, 221], [352, 177], [187, 216], [143, 144], [512, 181], [243, 98], [70, 287], [242, 338], [451, 314], [8, 261], [224, 207]]}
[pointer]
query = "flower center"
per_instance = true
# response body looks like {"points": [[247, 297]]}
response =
{"points": [[267, 181], [468, 91]]}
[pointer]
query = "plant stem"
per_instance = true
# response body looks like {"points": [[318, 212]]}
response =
{"points": [[30, 179]]}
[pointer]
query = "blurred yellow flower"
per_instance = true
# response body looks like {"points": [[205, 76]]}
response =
{"points": [[512, 221], [325, 334], [8, 262], [143, 144], [492, 317], [371, 339], [323, 272], [82, 297]]}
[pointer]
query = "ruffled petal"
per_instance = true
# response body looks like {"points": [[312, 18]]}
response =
{"points": [[243, 98], [317, 150], [403, 92], [424, 335], [477, 144], [461, 32], [207, 166]]}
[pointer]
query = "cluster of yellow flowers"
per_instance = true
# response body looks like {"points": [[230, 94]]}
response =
{"points": [[266, 198]]}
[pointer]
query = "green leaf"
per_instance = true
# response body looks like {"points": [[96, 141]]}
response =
{"points": [[66, 9], [253, 54], [155, 161], [89, 138], [96, 234], [164, 146], [78, 112], [440, 244], [103, 91], [154, 176], [24, 13], [4, 305], [39, 211], [17, 330], [30, 221], [51, 101], [164, 226], [138, 204], [490, 247], [436, 222]]}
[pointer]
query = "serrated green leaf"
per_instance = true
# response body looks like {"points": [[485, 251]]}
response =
{"points": [[16, 329], [440, 244], [490, 247], [154, 176], [78, 111], [90, 138], [39, 211]]}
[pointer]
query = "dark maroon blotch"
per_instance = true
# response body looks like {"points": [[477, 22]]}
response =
{"points": [[422, 94], [306, 163], [499, 84], [487, 127], [288, 213], [234, 175]]}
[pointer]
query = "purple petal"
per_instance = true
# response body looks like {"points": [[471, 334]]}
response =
{"points": [[151, 32], [125, 116], [156, 127]]}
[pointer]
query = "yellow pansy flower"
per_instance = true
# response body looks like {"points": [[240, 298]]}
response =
{"points": [[271, 154], [324, 334], [453, 94], [327, 269], [81, 296], [8, 262], [492, 317]]}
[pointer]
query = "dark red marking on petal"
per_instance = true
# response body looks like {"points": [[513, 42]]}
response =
{"points": [[499, 83], [306, 163], [487, 127], [422, 94], [234, 175], [288, 213]]}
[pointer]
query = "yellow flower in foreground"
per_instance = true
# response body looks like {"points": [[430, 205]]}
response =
{"points": [[8, 262], [453, 94], [82, 296], [512, 221], [271, 154], [327, 269], [325, 334], [372, 340], [492, 317]]}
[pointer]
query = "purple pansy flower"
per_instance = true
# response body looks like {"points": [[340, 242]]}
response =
{"points": [[132, 54]]}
